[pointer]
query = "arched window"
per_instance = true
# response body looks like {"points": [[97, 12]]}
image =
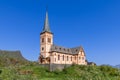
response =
{"points": [[58, 57], [63, 57], [42, 40], [75, 57], [67, 58], [49, 40], [42, 48], [82, 58], [79, 58], [55, 59]]}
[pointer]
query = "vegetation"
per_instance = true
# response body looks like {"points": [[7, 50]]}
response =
{"points": [[8, 58], [17, 69], [12, 54], [32, 71]]}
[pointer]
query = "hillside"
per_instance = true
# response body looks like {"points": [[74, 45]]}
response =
{"points": [[12, 54], [14, 67], [33, 71], [8, 58]]}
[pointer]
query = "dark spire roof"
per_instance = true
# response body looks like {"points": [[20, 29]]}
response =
{"points": [[46, 27]]}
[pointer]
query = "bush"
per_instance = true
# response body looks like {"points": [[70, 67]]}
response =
{"points": [[0, 71]]}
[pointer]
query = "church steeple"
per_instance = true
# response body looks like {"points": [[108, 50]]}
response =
{"points": [[46, 39], [46, 27]]}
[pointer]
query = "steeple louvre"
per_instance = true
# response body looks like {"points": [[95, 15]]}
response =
{"points": [[46, 27]]}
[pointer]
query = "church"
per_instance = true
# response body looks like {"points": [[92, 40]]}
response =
{"points": [[53, 54]]}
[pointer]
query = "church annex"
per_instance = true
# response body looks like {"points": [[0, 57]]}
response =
{"points": [[54, 54]]}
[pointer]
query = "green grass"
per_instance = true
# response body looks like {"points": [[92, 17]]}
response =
{"points": [[32, 71], [16, 69]]}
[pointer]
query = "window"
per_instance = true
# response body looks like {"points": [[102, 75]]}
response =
{"points": [[58, 57], [67, 58], [71, 58], [63, 57], [82, 58], [79, 57], [49, 40], [42, 40], [55, 59], [75, 57], [42, 48]]}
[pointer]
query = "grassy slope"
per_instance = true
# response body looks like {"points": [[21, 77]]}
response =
{"points": [[12, 54], [12, 68], [32, 71]]}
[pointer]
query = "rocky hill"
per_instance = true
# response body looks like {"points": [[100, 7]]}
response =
{"points": [[12, 54], [8, 58]]}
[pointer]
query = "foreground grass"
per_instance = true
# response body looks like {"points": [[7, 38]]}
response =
{"points": [[33, 71]]}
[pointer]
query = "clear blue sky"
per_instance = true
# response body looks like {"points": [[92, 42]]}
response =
{"points": [[94, 24]]}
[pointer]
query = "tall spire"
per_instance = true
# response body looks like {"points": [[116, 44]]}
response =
{"points": [[46, 27]]}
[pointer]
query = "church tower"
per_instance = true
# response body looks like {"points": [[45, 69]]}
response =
{"points": [[54, 54], [46, 39]]}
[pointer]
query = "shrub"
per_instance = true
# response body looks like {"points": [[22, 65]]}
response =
{"points": [[57, 72], [0, 71]]}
